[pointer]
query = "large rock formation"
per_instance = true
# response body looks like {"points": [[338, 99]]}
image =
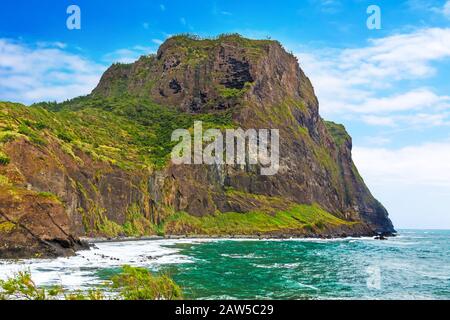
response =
{"points": [[271, 91], [257, 84]]}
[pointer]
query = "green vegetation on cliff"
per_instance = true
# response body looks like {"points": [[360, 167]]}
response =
{"points": [[4, 159], [295, 218], [95, 222], [128, 132], [275, 216], [337, 132], [197, 48], [135, 133]]}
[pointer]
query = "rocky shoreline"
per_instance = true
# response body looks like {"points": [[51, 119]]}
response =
{"points": [[50, 249], [233, 237]]}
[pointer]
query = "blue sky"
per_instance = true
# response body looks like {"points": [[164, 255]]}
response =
{"points": [[390, 87]]}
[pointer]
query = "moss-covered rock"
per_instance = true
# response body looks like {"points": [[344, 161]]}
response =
{"points": [[338, 133]]}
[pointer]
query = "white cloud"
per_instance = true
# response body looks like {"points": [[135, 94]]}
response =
{"points": [[157, 41], [333, 87], [377, 140], [378, 121], [416, 120], [44, 71], [403, 56], [413, 100], [420, 166], [56, 44], [128, 55], [388, 84], [412, 182], [422, 120], [384, 61], [358, 80]]}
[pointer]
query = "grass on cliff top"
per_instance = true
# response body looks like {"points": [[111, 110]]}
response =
{"points": [[311, 218], [337, 132], [197, 49], [192, 40], [128, 132]]}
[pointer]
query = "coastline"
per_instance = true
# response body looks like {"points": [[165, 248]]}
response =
{"points": [[276, 263], [60, 248], [94, 240]]}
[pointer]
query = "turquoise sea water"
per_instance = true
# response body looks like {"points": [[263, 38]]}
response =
{"points": [[414, 265]]}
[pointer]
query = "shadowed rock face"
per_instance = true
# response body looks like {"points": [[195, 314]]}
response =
{"points": [[260, 84], [35, 226]]}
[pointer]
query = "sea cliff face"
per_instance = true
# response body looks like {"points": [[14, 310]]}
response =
{"points": [[99, 165]]}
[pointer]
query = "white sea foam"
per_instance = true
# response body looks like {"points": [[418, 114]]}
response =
{"points": [[81, 270], [277, 265], [308, 286], [313, 240], [241, 256], [400, 259]]}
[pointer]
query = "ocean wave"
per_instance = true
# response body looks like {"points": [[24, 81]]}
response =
{"points": [[80, 270], [241, 256], [410, 267], [307, 286], [277, 265]]}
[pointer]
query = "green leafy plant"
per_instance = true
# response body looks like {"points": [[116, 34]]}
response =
{"points": [[92, 294], [22, 287], [140, 284], [30, 133], [4, 159], [130, 284], [65, 136], [337, 132]]}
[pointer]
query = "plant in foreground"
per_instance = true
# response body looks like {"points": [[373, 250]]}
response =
{"points": [[140, 284], [130, 284]]}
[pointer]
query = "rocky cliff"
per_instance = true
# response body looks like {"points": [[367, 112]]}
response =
{"points": [[104, 158]]}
